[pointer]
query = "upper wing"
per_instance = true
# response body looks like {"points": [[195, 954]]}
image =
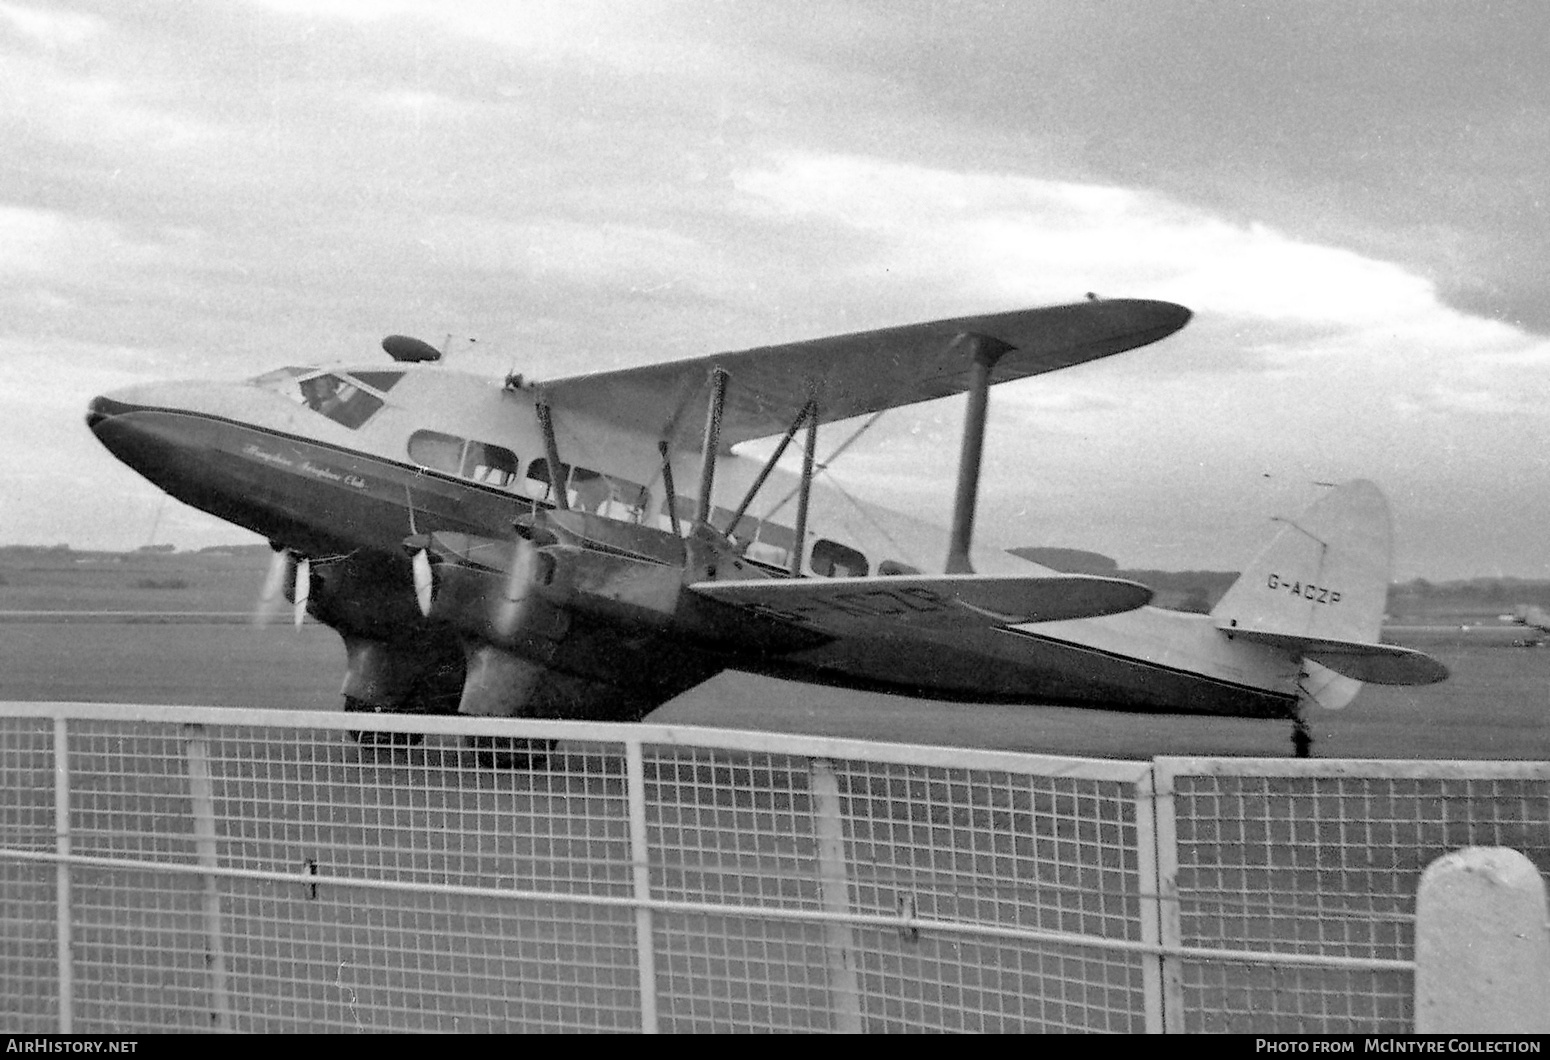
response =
{"points": [[859, 606], [851, 375]]}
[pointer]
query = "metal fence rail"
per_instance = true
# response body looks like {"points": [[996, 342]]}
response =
{"points": [[249, 870]]}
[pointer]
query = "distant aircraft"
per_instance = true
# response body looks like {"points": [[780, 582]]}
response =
{"points": [[591, 546], [1537, 621]]}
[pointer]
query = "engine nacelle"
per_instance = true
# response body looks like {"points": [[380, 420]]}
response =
{"points": [[365, 596], [422, 676], [497, 592]]}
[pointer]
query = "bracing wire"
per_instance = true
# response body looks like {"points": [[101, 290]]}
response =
{"points": [[823, 465]]}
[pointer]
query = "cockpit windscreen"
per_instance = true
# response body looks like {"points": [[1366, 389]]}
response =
{"points": [[342, 398]]}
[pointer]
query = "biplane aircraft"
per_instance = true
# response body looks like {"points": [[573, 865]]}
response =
{"points": [[592, 546]]}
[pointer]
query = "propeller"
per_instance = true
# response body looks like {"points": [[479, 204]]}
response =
{"points": [[303, 588], [287, 570], [282, 569], [424, 580]]}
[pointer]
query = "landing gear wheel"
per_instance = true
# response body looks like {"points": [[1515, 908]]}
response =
{"points": [[1302, 739], [510, 752], [372, 738]]}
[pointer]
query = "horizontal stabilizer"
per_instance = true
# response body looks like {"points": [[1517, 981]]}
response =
{"points": [[1381, 664], [850, 606]]}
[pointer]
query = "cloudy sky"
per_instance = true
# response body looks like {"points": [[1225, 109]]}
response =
{"points": [[1351, 196]]}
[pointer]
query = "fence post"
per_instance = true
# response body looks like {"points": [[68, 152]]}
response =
{"points": [[64, 942], [640, 859], [834, 890], [1150, 907], [1170, 932], [202, 793], [1482, 950]]}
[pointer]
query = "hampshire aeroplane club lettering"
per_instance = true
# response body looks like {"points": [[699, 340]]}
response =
{"points": [[266, 456], [306, 467], [1319, 594]]}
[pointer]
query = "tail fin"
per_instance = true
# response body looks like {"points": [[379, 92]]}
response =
{"points": [[1324, 575], [1319, 590]]}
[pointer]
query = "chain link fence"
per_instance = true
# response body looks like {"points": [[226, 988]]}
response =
{"points": [[248, 870]]}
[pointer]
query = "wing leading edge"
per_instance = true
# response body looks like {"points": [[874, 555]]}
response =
{"points": [[857, 374]]}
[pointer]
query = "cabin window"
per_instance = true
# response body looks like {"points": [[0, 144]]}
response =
{"points": [[773, 544], [684, 506], [608, 495], [762, 541], [437, 451], [490, 464], [689, 508], [538, 471], [592, 491], [589, 490], [830, 559], [340, 400]]}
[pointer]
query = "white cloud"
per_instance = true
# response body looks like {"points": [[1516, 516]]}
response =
{"points": [[626, 36], [53, 30], [1007, 235], [96, 111], [44, 243], [610, 253]]}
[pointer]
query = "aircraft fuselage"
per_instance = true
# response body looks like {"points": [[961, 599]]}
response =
{"points": [[431, 450]]}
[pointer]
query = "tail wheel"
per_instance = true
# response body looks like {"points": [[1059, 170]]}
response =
{"points": [[510, 752], [373, 738], [1302, 739]]}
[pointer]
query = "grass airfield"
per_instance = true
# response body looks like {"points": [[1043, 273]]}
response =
{"points": [[177, 628]]}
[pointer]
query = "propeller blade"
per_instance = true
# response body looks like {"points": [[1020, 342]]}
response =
{"points": [[424, 581], [303, 588], [271, 596]]}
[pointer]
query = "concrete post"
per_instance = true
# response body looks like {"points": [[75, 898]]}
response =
{"points": [[1482, 948]]}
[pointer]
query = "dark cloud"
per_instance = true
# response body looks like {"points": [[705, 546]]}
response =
{"points": [[1415, 132], [217, 188]]}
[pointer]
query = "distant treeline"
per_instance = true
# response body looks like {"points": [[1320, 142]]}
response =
{"points": [[1493, 591], [1199, 590], [1189, 590], [144, 550]]}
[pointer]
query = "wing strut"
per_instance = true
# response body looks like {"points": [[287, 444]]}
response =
{"points": [[557, 474], [769, 465], [808, 454], [667, 487], [984, 351], [718, 397]]}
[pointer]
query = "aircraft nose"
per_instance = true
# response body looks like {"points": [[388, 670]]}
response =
{"points": [[103, 409]]}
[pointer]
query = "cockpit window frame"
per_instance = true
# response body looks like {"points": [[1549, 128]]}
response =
{"points": [[341, 399], [331, 392], [379, 380]]}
